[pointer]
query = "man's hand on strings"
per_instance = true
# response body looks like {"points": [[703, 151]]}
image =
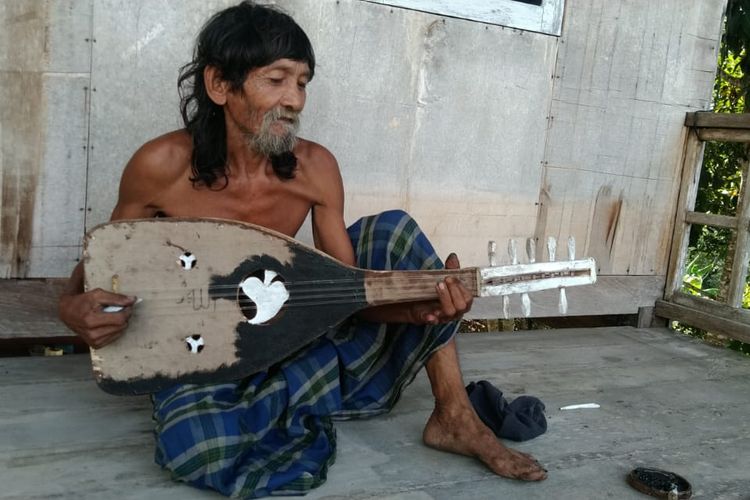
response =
{"points": [[84, 314]]}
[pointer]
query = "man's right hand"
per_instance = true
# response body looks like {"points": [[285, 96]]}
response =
{"points": [[84, 314]]}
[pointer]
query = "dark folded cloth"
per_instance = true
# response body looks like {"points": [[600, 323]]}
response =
{"points": [[520, 420]]}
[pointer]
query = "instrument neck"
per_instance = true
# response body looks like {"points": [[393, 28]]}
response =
{"points": [[386, 287]]}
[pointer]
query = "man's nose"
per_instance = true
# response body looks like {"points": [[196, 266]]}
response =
{"points": [[293, 98]]}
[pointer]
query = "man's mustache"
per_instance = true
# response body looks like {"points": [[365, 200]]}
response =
{"points": [[279, 113]]}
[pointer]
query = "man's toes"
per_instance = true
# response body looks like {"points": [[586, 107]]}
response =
{"points": [[535, 475], [529, 472]]}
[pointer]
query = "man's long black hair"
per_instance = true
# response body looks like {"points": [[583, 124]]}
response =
{"points": [[235, 41]]}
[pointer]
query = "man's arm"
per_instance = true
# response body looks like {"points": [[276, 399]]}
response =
{"points": [[330, 236], [328, 227]]}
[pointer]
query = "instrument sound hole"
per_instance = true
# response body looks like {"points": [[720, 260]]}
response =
{"points": [[261, 296], [194, 343]]}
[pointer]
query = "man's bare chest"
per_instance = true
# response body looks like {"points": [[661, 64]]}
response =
{"points": [[283, 210]]}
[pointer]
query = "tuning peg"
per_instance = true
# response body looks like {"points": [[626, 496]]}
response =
{"points": [[531, 254], [526, 305], [492, 252], [551, 248], [562, 305], [531, 250], [512, 251], [571, 248]]}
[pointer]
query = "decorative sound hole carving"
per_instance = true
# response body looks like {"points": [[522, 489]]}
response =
{"points": [[188, 260], [195, 343], [261, 296]]}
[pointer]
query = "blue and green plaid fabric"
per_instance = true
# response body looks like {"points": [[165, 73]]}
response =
{"points": [[272, 433]]}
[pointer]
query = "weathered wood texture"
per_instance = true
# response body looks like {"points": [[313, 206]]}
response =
{"points": [[723, 134], [738, 276], [28, 309], [690, 177], [709, 119], [612, 161], [703, 127], [61, 437], [706, 315], [44, 75], [711, 219]]}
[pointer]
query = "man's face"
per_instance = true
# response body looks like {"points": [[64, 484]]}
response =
{"points": [[266, 109]]}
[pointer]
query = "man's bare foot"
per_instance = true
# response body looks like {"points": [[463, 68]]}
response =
{"points": [[460, 431]]}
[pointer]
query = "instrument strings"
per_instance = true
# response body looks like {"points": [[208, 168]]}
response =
{"points": [[302, 294]]}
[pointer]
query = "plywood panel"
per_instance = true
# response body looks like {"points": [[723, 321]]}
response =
{"points": [[59, 208], [363, 100], [42, 35], [440, 139], [139, 49], [626, 75], [21, 117], [415, 118], [44, 60], [621, 221]]}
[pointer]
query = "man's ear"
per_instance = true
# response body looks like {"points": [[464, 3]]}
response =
{"points": [[216, 87]]}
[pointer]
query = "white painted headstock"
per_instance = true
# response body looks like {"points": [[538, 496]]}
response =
{"points": [[525, 278], [516, 278]]}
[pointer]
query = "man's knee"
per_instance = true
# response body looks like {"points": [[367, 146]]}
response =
{"points": [[394, 218]]}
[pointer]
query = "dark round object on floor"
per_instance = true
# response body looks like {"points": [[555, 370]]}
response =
{"points": [[658, 483]]}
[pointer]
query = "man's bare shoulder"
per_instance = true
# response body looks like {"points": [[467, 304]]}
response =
{"points": [[164, 158], [315, 159], [153, 171]]}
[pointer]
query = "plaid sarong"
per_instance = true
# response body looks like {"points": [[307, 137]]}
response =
{"points": [[272, 432]]}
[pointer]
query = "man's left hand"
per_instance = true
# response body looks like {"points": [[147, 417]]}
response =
{"points": [[454, 300]]}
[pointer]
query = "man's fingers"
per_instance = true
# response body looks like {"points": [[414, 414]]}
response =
{"points": [[447, 308], [458, 298], [105, 298], [100, 337]]}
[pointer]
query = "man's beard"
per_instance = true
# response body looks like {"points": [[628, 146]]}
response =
{"points": [[269, 143]]}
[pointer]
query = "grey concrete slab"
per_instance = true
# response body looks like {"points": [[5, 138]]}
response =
{"points": [[666, 401]]}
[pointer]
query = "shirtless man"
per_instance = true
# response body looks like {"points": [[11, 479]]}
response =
{"points": [[252, 110]]}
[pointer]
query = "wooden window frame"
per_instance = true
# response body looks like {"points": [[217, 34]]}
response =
{"points": [[545, 18], [727, 318]]}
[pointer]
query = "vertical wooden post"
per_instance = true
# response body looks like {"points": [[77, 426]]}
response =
{"points": [[742, 245], [691, 167]]}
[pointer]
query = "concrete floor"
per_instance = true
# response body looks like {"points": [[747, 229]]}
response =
{"points": [[666, 401]]}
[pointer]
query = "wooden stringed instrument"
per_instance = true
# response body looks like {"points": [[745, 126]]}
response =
{"points": [[220, 300]]}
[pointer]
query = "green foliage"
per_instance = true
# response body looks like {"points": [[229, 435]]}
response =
{"points": [[737, 33], [699, 274], [721, 176]]}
